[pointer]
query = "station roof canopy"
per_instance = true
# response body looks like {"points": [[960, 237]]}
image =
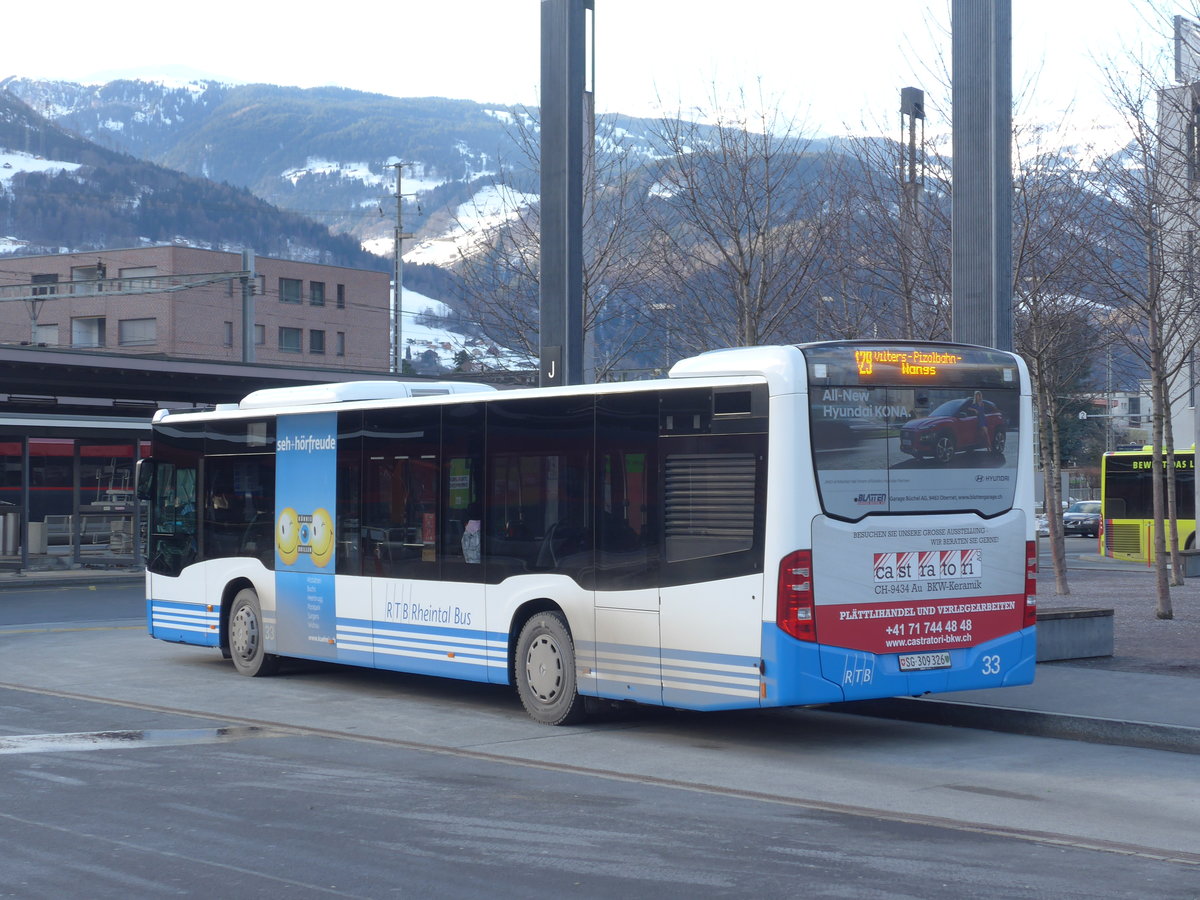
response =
{"points": [[41, 379]]}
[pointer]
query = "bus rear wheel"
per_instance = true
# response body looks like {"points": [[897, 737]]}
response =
{"points": [[545, 671], [246, 636]]}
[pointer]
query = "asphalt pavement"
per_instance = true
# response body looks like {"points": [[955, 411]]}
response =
{"points": [[1144, 695]]}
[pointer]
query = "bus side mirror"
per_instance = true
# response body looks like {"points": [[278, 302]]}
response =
{"points": [[145, 479]]}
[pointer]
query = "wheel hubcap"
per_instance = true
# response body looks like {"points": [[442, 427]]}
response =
{"points": [[243, 635], [543, 669]]}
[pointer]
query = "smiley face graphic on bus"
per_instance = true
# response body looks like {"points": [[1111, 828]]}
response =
{"points": [[299, 535], [320, 538], [287, 536]]}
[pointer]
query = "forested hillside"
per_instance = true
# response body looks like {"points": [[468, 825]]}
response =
{"points": [[83, 196]]}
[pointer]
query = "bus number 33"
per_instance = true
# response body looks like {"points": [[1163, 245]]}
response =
{"points": [[991, 665]]}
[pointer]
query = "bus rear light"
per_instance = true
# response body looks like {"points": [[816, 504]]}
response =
{"points": [[1030, 614], [794, 601]]}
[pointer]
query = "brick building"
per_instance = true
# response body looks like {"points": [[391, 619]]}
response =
{"points": [[171, 301]]}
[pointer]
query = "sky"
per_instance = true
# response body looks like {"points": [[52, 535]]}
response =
{"points": [[834, 66]]}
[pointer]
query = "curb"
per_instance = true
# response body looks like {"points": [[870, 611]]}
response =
{"points": [[1034, 723], [84, 578]]}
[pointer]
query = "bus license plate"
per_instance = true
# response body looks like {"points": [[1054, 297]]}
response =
{"points": [[914, 662]]}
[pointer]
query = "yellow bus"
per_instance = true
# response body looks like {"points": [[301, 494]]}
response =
{"points": [[1127, 503]]}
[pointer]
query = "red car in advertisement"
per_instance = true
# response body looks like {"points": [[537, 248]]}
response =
{"points": [[967, 423]]}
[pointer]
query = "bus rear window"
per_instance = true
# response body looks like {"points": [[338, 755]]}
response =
{"points": [[914, 436]]}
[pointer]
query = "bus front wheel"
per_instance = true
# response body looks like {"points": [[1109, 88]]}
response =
{"points": [[545, 671], [246, 636]]}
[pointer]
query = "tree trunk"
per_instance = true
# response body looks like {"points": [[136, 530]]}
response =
{"points": [[1172, 500], [1051, 470], [1162, 584]]}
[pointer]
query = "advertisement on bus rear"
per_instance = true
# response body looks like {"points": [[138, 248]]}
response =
{"points": [[909, 431], [916, 584]]}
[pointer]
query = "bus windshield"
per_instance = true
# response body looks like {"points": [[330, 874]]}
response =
{"points": [[925, 428]]}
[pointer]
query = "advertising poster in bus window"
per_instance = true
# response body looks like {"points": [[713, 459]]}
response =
{"points": [[306, 476], [914, 449]]}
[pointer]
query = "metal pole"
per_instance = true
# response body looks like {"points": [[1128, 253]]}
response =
{"points": [[398, 273], [25, 479], [77, 523], [248, 346]]}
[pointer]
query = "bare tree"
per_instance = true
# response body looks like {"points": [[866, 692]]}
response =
{"points": [[1055, 318], [740, 212], [501, 269], [896, 236], [1144, 261]]}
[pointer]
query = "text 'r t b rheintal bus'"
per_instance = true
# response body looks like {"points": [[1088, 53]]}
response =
{"points": [[769, 526]]}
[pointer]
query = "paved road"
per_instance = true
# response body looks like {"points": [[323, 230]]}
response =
{"points": [[48, 604], [184, 778]]}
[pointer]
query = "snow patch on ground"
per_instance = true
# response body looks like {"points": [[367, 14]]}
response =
{"points": [[419, 339], [13, 162]]}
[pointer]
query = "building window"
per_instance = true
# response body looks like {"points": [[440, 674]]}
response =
{"points": [[289, 290], [228, 339], [316, 293], [137, 332], [46, 334], [45, 280], [1192, 152], [290, 339], [85, 279], [316, 341], [87, 332], [260, 335], [135, 277], [341, 296], [341, 343]]}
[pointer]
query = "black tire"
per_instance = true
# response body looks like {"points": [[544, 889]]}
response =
{"points": [[545, 671], [998, 439], [246, 637], [944, 448]]}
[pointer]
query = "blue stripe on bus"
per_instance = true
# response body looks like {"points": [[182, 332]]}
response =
{"points": [[182, 623], [676, 677], [464, 653], [446, 630], [716, 659]]}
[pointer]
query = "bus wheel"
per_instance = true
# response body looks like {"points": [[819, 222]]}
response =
{"points": [[545, 671], [943, 449], [246, 636]]}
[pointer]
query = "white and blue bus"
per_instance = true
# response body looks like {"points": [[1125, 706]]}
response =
{"points": [[769, 526]]}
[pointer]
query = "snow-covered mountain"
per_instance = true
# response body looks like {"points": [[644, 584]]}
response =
{"points": [[327, 153]]}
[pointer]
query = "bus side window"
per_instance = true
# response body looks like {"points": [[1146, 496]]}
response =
{"points": [[399, 523], [538, 509], [461, 507], [347, 527], [627, 541], [173, 538]]}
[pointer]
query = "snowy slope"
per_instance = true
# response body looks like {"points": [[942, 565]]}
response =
{"points": [[419, 339], [13, 163]]}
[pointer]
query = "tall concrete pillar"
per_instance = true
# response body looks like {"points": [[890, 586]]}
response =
{"points": [[981, 255], [565, 121]]}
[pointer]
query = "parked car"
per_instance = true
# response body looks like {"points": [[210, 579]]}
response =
{"points": [[953, 427], [1082, 517]]}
